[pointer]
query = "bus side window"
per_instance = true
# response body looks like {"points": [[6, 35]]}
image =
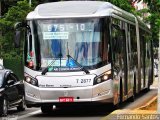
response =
{"points": [[117, 39], [118, 47]]}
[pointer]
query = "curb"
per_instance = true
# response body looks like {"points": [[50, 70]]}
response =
{"points": [[139, 110], [148, 104]]}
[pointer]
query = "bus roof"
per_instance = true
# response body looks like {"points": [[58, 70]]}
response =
{"points": [[67, 9], [80, 9]]}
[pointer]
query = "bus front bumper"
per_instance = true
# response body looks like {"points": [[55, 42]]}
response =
{"points": [[100, 93]]}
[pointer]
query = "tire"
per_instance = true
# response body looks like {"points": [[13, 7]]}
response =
{"points": [[4, 107], [115, 107], [22, 105], [121, 91], [47, 109], [147, 89], [132, 98]]}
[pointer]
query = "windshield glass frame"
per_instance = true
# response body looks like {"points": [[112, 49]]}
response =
{"points": [[103, 34]]}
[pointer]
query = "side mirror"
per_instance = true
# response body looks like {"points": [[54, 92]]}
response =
{"points": [[17, 38], [10, 82], [17, 27]]}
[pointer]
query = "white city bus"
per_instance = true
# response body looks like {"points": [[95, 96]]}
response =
{"points": [[82, 52]]}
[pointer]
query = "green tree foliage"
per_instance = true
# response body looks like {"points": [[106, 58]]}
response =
{"points": [[14, 14], [154, 18], [124, 4], [6, 5]]}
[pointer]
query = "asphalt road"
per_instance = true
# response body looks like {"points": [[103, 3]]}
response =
{"points": [[79, 113], [74, 113]]}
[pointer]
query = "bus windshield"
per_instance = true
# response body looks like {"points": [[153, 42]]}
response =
{"points": [[80, 38]]}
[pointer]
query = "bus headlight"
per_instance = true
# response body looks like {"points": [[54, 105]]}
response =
{"points": [[32, 81], [104, 77]]}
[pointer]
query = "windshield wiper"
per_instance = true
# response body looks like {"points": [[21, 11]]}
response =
{"points": [[82, 67], [46, 69], [50, 65]]}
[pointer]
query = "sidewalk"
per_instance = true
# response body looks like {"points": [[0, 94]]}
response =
{"points": [[132, 115], [155, 84], [146, 112]]}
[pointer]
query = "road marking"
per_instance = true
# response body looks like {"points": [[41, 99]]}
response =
{"points": [[29, 114]]}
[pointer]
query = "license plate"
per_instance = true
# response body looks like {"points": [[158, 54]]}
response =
{"points": [[66, 99]]}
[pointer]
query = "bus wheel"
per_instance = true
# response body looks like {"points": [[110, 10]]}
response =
{"points": [[47, 109], [117, 106], [121, 92], [132, 98], [147, 89]]}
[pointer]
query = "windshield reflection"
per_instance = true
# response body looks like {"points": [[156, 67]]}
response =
{"points": [[80, 38], [83, 41]]}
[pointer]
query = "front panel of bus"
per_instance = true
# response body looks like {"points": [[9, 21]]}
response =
{"points": [[68, 60]]}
